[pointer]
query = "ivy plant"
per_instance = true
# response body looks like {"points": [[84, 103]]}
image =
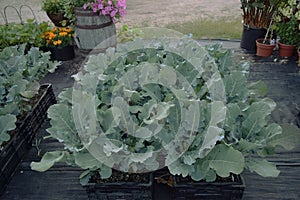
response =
{"points": [[165, 103]]}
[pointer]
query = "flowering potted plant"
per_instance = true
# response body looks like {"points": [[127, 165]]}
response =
{"points": [[287, 27], [95, 23], [257, 15], [60, 41], [58, 11]]}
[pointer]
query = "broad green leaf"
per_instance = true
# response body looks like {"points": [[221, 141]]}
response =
{"points": [[158, 112], [262, 167], [235, 86], [245, 146], [218, 113], [31, 90], [96, 64], [122, 117], [269, 132], [105, 172], [201, 169], [10, 108], [226, 160], [106, 119], [254, 123], [49, 159], [151, 163], [86, 161], [63, 127], [7, 123], [265, 106], [85, 177], [66, 95], [210, 176], [232, 113], [216, 89], [179, 168], [167, 76], [212, 135], [289, 139], [258, 88]]}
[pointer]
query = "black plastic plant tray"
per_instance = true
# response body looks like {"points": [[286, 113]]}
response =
{"points": [[39, 110], [13, 152], [232, 190], [121, 190]]}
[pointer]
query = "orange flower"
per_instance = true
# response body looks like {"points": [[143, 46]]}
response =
{"points": [[58, 36], [63, 33]]}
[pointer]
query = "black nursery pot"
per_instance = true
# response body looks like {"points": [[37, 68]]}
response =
{"points": [[63, 53], [249, 37]]}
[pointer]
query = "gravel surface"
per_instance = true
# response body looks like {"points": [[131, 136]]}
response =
{"points": [[143, 12]]}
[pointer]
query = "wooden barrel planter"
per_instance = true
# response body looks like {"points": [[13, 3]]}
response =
{"points": [[94, 32]]}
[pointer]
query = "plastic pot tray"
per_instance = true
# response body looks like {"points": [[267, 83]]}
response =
{"points": [[14, 151], [121, 190], [232, 190]]}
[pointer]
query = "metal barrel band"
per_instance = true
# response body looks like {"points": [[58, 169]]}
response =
{"points": [[92, 27]]}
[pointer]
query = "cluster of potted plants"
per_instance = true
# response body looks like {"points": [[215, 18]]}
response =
{"points": [[284, 22], [132, 111], [287, 27], [93, 20], [257, 15]]}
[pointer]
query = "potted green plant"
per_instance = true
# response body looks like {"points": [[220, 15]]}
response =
{"points": [[59, 11], [287, 27], [150, 105], [60, 42], [257, 15], [266, 45]]}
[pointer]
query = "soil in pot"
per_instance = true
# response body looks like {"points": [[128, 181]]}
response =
{"points": [[58, 19], [180, 187], [120, 185], [264, 48], [223, 188]]}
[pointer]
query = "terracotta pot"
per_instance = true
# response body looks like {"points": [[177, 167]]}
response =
{"points": [[264, 49], [286, 50]]}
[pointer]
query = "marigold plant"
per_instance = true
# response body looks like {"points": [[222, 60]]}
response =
{"points": [[58, 37]]}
